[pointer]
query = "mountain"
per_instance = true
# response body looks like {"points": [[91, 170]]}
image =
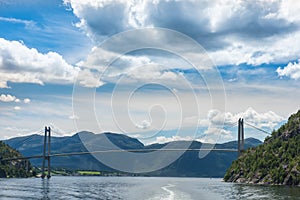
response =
{"points": [[214, 164], [16, 168], [188, 164], [276, 161], [33, 145]]}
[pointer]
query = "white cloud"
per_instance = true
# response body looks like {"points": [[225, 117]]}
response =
{"points": [[217, 131], [27, 23], [291, 70], [57, 130], [26, 100], [232, 80], [263, 120], [20, 64], [112, 15], [131, 68], [289, 10], [17, 108], [210, 138], [144, 125], [221, 124], [163, 139], [73, 117], [233, 32], [217, 119], [7, 98], [87, 78], [152, 72], [11, 98]]}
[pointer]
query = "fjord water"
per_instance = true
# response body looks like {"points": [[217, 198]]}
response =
{"points": [[137, 188]]}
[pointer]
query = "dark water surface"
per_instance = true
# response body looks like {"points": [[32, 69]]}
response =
{"points": [[139, 188]]}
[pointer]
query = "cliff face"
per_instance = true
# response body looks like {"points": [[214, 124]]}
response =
{"points": [[276, 161], [16, 168]]}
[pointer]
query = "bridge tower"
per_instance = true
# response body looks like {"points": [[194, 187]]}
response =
{"points": [[46, 157], [241, 138]]}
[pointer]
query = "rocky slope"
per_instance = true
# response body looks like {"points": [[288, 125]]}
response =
{"points": [[276, 162]]}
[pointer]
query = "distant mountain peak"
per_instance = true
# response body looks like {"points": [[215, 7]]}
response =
{"points": [[84, 133]]}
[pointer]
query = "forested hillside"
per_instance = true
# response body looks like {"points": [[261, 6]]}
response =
{"points": [[17, 168], [277, 161]]}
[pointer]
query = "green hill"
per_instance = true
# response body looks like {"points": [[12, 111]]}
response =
{"points": [[276, 161], [15, 168]]}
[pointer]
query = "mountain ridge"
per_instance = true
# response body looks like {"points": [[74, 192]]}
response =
{"points": [[188, 164]]}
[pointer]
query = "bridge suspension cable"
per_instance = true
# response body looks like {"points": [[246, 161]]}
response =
{"points": [[230, 125], [257, 128]]}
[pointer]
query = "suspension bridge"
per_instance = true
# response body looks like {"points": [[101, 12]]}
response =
{"points": [[46, 156]]}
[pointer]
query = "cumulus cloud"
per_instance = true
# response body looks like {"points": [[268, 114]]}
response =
{"points": [[220, 124], [26, 100], [100, 18], [226, 17], [292, 70], [90, 79], [216, 118], [11, 98], [104, 65], [7, 98], [234, 32], [20, 64]]}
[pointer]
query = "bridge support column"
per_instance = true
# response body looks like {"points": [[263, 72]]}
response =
{"points": [[27, 166], [242, 135], [241, 138], [47, 134]]}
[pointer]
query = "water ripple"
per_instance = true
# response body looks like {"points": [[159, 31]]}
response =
{"points": [[136, 188]]}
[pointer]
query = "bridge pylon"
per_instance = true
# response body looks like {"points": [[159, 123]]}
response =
{"points": [[46, 157], [241, 138]]}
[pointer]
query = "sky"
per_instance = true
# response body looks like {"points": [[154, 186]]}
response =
{"points": [[157, 70]]}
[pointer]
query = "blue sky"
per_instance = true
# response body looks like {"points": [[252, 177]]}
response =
{"points": [[52, 51]]}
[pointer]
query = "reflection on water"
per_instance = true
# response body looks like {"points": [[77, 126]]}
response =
{"points": [[264, 192], [45, 188], [138, 188]]}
